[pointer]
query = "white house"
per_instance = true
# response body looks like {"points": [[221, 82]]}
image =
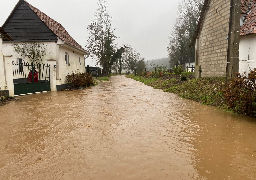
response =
{"points": [[63, 54], [247, 45]]}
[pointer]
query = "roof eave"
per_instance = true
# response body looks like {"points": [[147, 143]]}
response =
{"points": [[76, 48], [200, 22], [5, 36], [11, 13]]}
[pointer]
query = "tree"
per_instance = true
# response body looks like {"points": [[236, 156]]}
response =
{"points": [[132, 60], [101, 39], [140, 68], [117, 59], [129, 58], [179, 50], [33, 50]]}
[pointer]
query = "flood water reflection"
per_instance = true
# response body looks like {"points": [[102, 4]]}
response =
{"points": [[122, 129]]}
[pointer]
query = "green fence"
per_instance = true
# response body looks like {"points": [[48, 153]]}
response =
{"points": [[24, 88], [30, 77]]}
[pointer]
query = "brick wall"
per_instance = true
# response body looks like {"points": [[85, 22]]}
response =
{"points": [[213, 42]]}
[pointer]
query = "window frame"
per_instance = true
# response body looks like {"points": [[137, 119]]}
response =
{"points": [[67, 59]]}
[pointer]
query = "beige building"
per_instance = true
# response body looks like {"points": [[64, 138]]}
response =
{"points": [[224, 38], [211, 38]]}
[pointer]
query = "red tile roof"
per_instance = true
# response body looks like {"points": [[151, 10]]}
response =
{"points": [[249, 27], [246, 6], [56, 28]]}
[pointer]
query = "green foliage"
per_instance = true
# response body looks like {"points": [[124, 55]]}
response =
{"points": [[240, 94], [80, 80], [178, 70], [103, 78], [205, 90], [33, 50], [130, 58], [100, 43], [117, 60], [183, 78], [147, 81], [179, 50], [140, 67], [4, 99]]}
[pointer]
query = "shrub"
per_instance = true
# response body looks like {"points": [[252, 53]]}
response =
{"points": [[183, 78], [240, 94], [178, 70], [80, 80], [205, 90]]}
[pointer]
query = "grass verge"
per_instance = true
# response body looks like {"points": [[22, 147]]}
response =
{"points": [[207, 91], [103, 79]]}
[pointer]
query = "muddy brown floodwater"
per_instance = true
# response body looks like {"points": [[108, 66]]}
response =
{"points": [[122, 130]]}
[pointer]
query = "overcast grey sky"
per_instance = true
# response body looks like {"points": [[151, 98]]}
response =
{"points": [[143, 24]]}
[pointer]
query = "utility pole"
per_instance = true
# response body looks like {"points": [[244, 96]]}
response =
{"points": [[233, 39]]}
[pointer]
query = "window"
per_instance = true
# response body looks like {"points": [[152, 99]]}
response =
{"points": [[67, 59], [80, 61], [20, 65]]}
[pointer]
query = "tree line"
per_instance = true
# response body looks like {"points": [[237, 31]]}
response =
{"points": [[179, 49], [102, 47], [111, 57]]}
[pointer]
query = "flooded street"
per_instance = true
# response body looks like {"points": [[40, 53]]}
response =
{"points": [[122, 130]]}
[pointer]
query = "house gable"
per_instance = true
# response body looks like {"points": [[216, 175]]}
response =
{"points": [[24, 25], [27, 23]]}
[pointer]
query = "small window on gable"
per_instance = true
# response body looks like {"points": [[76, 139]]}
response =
{"points": [[20, 66], [67, 59]]}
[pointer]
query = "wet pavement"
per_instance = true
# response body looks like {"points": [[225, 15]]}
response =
{"points": [[122, 130]]}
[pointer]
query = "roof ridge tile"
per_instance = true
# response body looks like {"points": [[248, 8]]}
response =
{"points": [[55, 27]]}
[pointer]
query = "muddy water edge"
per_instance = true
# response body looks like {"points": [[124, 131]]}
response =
{"points": [[122, 129]]}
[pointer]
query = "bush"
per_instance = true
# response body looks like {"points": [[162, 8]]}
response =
{"points": [[183, 78], [205, 90], [80, 80], [240, 94], [178, 70]]}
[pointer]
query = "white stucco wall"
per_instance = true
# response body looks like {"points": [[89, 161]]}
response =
{"points": [[55, 56], [74, 65], [12, 58], [6, 76], [51, 51], [247, 53], [2, 76]]}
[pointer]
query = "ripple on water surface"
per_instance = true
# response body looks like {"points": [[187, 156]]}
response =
{"points": [[122, 129]]}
